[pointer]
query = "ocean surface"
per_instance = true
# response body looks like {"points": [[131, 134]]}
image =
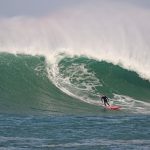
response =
{"points": [[57, 106], [74, 132]]}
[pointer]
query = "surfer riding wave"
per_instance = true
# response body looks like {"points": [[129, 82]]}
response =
{"points": [[105, 100]]}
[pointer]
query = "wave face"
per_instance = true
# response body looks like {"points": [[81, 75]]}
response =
{"points": [[26, 88], [72, 85]]}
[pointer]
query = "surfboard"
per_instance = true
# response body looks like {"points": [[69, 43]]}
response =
{"points": [[113, 107]]}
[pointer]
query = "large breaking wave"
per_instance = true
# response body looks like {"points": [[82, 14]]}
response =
{"points": [[29, 84], [73, 55]]}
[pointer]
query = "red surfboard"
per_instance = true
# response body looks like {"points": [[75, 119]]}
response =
{"points": [[113, 107]]}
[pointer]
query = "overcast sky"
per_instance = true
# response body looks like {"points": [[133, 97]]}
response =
{"points": [[10, 8]]}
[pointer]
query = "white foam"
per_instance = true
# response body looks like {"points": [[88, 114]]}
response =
{"points": [[131, 104], [75, 89]]}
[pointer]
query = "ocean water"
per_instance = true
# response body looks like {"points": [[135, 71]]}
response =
{"points": [[74, 132], [55, 66], [44, 106]]}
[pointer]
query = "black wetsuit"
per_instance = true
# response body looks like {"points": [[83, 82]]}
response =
{"points": [[105, 100]]}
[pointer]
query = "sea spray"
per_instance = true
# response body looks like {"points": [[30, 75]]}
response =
{"points": [[116, 32]]}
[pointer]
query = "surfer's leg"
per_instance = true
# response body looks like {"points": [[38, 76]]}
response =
{"points": [[108, 104]]}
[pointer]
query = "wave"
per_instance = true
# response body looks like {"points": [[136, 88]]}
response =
{"points": [[87, 79], [26, 88], [63, 61], [72, 85]]}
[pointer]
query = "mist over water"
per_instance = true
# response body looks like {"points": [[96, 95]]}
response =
{"points": [[115, 31]]}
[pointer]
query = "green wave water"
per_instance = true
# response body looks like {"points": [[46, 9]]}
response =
{"points": [[29, 84]]}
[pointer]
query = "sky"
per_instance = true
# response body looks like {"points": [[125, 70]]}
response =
{"points": [[11, 8]]}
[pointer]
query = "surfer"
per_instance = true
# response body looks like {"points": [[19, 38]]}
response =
{"points": [[105, 100]]}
